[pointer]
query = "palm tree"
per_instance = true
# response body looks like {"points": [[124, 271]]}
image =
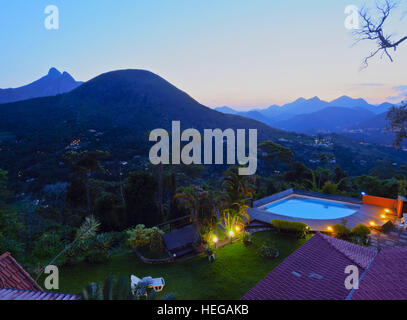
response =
{"points": [[190, 198], [87, 230], [203, 205], [239, 188], [234, 217]]}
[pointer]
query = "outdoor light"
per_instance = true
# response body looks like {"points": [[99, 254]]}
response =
{"points": [[330, 229], [372, 223], [231, 233], [387, 210], [363, 193], [383, 216], [237, 228], [215, 239]]}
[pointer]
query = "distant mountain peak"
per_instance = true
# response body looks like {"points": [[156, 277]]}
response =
{"points": [[54, 72], [53, 83], [66, 75]]}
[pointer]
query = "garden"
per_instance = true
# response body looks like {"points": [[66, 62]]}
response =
{"points": [[238, 268]]}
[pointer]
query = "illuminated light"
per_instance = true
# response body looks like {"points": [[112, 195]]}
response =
{"points": [[372, 223], [215, 239], [231, 233], [383, 216], [237, 228], [330, 229], [387, 210], [363, 193]]}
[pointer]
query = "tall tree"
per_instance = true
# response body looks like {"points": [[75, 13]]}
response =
{"points": [[239, 189], [140, 191], [85, 164], [397, 118], [274, 151]]}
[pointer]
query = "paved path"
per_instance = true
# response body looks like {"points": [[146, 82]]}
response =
{"points": [[394, 239]]}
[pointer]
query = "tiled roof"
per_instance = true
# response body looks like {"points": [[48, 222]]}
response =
{"points": [[12, 275], [15, 294], [316, 271], [386, 279], [180, 238], [361, 256]]}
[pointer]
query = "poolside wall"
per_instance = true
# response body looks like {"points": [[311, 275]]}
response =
{"points": [[396, 204], [401, 206]]}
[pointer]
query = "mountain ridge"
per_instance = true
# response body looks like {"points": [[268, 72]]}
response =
{"points": [[53, 83]]}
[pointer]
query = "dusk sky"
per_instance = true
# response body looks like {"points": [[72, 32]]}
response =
{"points": [[238, 53]]}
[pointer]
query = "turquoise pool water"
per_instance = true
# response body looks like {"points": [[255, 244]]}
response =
{"points": [[311, 208]]}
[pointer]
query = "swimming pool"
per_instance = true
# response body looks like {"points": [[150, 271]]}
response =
{"points": [[311, 208]]}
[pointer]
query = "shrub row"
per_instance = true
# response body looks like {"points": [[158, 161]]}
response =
{"points": [[297, 228], [342, 232]]}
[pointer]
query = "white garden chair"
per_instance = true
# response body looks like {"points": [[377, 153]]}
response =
{"points": [[158, 284]]}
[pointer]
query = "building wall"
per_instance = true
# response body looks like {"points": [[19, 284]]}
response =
{"points": [[397, 204]]}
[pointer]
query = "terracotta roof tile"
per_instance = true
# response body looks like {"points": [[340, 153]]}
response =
{"points": [[16, 294], [12, 275], [386, 279], [313, 272]]}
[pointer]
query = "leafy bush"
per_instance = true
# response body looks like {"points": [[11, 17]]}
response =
{"points": [[156, 242], [140, 236], [361, 231], [341, 231], [330, 188], [268, 252], [74, 256], [388, 227], [246, 238], [97, 255], [47, 245], [298, 228], [93, 250]]}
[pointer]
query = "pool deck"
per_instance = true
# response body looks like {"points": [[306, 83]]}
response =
{"points": [[364, 215]]}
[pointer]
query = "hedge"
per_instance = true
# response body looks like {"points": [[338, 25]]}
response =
{"points": [[341, 231], [361, 231], [297, 228]]}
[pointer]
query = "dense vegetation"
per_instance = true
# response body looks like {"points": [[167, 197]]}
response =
{"points": [[80, 155], [237, 269]]}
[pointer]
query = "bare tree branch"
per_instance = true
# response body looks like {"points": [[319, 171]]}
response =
{"points": [[373, 29]]}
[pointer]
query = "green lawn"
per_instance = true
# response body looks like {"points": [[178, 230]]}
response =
{"points": [[237, 269]]}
